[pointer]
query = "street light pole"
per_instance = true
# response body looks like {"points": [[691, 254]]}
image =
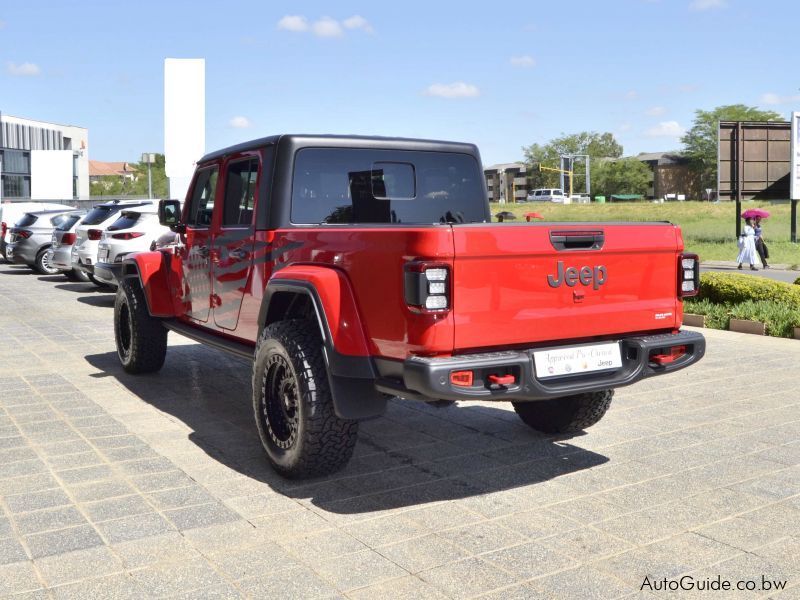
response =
{"points": [[149, 158]]}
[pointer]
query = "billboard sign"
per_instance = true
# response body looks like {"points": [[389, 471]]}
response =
{"points": [[794, 153]]}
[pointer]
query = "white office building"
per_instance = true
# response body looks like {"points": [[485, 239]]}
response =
{"points": [[43, 161]]}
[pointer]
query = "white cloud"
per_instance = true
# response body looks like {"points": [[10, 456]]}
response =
{"points": [[458, 89], [296, 23], [671, 129], [25, 69], [358, 22], [631, 95], [240, 122], [698, 5], [775, 99], [655, 111], [524, 61], [327, 27], [624, 126]]}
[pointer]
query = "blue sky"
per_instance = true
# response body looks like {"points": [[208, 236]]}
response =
{"points": [[501, 76]]}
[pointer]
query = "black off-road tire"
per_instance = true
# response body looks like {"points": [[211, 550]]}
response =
{"points": [[293, 404], [76, 275], [43, 265], [565, 415], [141, 339]]}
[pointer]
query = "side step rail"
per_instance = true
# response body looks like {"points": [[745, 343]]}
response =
{"points": [[209, 339]]}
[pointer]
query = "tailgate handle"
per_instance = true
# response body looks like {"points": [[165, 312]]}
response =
{"points": [[577, 240]]}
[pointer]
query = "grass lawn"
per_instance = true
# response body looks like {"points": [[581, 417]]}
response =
{"points": [[708, 229]]}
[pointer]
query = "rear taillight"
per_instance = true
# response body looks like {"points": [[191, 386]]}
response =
{"points": [[95, 234], [427, 286], [127, 235], [67, 239], [21, 233], [688, 275], [3, 229]]}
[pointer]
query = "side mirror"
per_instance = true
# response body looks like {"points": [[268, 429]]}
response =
{"points": [[169, 215]]}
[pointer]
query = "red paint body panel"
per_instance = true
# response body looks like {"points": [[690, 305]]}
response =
{"points": [[372, 259], [502, 296], [155, 275], [338, 304]]}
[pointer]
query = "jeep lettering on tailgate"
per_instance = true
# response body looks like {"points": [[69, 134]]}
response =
{"points": [[585, 275], [351, 270]]}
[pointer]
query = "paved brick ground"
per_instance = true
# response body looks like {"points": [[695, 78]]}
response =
{"points": [[115, 486]]}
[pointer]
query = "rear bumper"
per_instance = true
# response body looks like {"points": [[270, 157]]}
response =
{"points": [[108, 272], [429, 378]]}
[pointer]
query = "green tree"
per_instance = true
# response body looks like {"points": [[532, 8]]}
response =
{"points": [[596, 145], [700, 142], [159, 175], [622, 176]]}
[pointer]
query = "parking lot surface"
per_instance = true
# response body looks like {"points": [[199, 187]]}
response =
{"points": [[156, 486]]}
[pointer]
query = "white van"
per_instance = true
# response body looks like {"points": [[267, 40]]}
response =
{"points": [[547, 195], [11, 212]]}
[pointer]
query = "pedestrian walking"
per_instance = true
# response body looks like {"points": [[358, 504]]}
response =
{"points": [[761, 245], [747, 246]]}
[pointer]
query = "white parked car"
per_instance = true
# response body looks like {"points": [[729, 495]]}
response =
{"points": [[547, 195], [91, 228], [11, 212], [135, 230]]}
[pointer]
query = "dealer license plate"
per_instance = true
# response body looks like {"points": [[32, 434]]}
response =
{"points": [[561, 362]]}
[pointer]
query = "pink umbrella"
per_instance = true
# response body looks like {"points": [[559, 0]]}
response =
{"points": [[533, 215], [752, 213]]}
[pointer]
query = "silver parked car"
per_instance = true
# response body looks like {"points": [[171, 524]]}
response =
{"points": [[60, 251], [31, 237]]}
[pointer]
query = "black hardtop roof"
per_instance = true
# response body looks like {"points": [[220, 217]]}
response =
{"points": [[344, 141]]}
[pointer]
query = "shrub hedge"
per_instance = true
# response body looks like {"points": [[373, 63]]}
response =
{"points": [[733, 288]]}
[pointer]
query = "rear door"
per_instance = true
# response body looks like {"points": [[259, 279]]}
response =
{"points": [[530, 284], [232, 253], [195, 257]]}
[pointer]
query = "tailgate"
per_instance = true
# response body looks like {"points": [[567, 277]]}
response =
{"points": [[528, 284]]}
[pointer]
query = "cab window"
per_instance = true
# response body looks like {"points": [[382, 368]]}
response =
{"points": [[240, 192], [201, 205]]}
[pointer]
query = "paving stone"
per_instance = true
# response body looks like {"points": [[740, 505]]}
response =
{"points": [[75, 566], [20, 468], [386, 530], [583, 582], [116, 508], [85, 474], [101, 490], [168, 547], [162, 481], [202, 515], [529, 560], [18, 577], [403, 588], [175, 578], [180, 497], [419, 554], [48, 519], [62, 540], [292, 584], [315, 547], [467, 578], [482, 537], [134, 528], [36, 500], [253, 561], [120, 586], [586, 543]]}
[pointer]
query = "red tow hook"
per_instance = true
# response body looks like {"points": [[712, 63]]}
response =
{"points": [[502, 379], [674, 354]]}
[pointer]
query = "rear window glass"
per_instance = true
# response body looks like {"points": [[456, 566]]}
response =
{"points": [[125, 221], [27, 220], [67, 222], [99, 214], [336, 185]]}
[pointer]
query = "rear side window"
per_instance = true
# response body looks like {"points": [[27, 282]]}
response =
{"points": [[99, 214], [557, 193], [240, 192], [67, 222], [338, 185], [537, 193], [58, 220], [125, 221], [27, 220], [201, 205]]}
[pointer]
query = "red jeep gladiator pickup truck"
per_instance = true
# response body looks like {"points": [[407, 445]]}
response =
{"points": [[354, 269]]}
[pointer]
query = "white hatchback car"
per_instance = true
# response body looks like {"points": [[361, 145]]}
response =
{"points": [[135, 230], [90, 230]]}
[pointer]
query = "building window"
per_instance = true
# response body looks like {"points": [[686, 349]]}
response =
{"points": [[16, 161], [16, 186]]}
